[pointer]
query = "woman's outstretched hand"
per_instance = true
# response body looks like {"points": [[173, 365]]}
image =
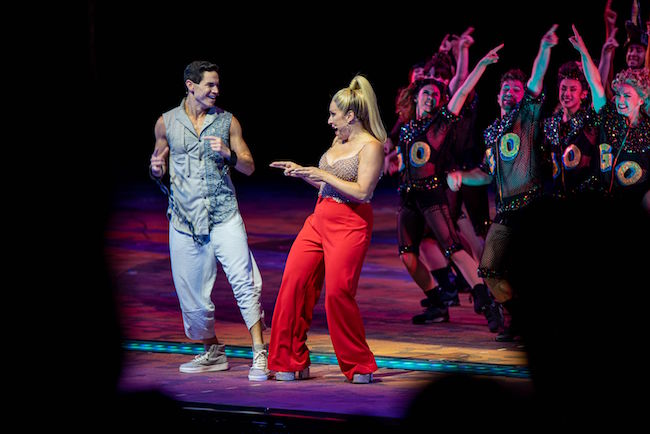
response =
{"points": [[287, 166]]}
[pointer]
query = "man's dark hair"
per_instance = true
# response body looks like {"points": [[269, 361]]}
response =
{"points": [[194, 71], [514, 74]]}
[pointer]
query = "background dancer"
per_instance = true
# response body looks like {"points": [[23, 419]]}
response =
{"points": [[514, 161], [570, 134], [624, 132], [423, 200]]}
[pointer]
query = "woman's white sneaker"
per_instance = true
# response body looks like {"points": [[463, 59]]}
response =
{"points": [[259, 369], [290, 376], [362, 378]]}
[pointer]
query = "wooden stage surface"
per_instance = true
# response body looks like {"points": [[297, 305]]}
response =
{"points": [[137, 256]]}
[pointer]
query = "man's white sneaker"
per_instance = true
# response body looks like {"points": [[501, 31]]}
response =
{"points": [[214, 359]]}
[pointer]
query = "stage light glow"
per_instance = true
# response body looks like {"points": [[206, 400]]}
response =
{"points": [[330, 359]]}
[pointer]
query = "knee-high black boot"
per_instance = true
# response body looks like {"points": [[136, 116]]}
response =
{"points": [[485, 304], [458, 279], [512, 332]]}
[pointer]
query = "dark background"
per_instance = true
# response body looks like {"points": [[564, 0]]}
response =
{"points": [[280, 64]]}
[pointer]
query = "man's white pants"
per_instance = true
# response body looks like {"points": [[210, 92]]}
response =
{"points": [[194, 270]]}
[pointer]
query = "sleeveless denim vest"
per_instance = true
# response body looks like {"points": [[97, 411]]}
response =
{"points": [[202, 193]]}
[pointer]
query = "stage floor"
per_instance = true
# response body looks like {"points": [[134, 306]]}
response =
{"points": [[410, 356]]}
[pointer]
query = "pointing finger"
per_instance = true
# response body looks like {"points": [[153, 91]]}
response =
{"points": [[495, 49]]}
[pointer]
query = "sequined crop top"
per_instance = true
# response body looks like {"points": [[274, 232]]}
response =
{"points": [[346, 169]]}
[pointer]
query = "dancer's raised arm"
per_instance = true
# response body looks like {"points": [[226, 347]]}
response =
{"points": [[456, 102], [591, 71]]}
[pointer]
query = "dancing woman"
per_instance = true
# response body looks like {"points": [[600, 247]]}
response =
{"points": [[425, 152], [624, 131], [332, 244]]}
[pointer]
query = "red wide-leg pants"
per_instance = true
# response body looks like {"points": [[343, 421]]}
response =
{"points": [[330, 247]]}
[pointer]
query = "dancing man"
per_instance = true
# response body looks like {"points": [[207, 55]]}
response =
{"points": [[197, 144]]}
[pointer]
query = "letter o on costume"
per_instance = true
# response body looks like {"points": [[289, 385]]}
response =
{"points": [[420, 153], [509, 146], [571, 156], [628, 172]]}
